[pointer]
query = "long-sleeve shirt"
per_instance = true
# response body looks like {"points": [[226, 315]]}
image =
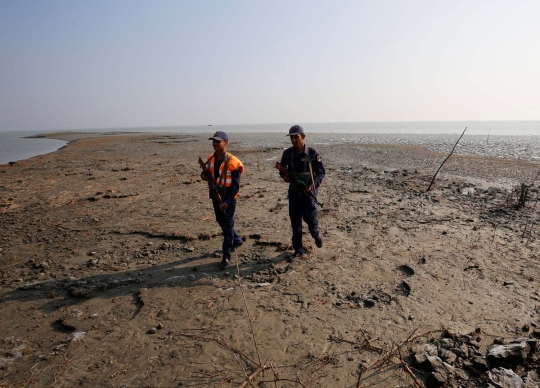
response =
{"points": [[298, 162]]}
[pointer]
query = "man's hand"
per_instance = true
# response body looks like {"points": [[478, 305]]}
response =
{"points": [[225, 205], [308, 190], [286, 179], [203, 177]]}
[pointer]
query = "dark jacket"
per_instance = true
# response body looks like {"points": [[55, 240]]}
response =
{"points": [[299, 163]]}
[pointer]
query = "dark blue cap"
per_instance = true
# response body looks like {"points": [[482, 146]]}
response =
{"points": [[296, 130], [219, 136]]}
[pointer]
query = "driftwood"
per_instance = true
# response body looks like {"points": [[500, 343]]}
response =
{"points": [[444, 161]]}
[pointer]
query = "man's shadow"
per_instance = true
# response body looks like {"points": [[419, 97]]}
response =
{"points": [[67, 292]]}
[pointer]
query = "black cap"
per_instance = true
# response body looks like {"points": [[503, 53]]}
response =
{"points": [[296, 130]]}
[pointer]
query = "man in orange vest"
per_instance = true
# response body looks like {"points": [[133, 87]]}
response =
{"points": [[225, 169]]}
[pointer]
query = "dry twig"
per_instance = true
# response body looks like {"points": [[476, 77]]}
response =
{"points": [[59, 370], [444, 161]]}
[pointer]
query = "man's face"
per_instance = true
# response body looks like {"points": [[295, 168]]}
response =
{"points": [[219, 145], [297, 140]]}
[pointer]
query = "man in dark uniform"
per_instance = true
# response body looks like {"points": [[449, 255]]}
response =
{"points": [[305, 163]]}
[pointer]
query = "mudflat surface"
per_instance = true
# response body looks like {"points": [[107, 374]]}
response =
{"points": [[109, 252]]}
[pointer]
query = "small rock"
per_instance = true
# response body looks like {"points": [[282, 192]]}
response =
{"points": [[447, 343], [506, 378], [436, 379], [459, 352], [511, 353], [467, 191], [461, 374], [480, 363], [160, 326], [422, 352], [369, 302], [531, 380], [152, 330], [448, 356]]}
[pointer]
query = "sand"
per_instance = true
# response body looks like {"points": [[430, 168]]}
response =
{"points": [[109, 257]]}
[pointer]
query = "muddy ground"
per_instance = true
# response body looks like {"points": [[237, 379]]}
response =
{"points": [[109, 278]]}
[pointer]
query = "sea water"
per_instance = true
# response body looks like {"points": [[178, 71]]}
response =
{"points": [[13, 145]]}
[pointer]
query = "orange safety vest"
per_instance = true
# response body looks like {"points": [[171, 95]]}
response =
{"points": [[230, 164]]}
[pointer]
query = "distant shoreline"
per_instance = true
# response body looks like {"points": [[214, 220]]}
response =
{"points": [[520, 147]]}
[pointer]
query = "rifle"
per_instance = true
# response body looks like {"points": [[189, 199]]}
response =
{"points": [[214, 191], [284, 171]]}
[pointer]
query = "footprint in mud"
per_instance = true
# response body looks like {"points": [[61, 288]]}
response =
{"points": [[61, 326], [408, 271], [404, 289]]}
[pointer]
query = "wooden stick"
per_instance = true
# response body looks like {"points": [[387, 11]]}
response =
{"points": [[410, 372], [237, 360], [358, 385], [247, 309], [444, 161]]}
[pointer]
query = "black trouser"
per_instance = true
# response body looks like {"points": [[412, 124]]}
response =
{"points": [[302, 207], [227, 227]]}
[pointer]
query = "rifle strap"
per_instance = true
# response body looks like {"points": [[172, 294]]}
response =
{"points": [[223, 177], [311, 172]]}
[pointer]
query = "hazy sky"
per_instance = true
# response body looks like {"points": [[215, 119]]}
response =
{"points": [[98, 64]]}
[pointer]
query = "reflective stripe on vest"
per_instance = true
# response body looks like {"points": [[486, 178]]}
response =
{"points": [[230, 163]]}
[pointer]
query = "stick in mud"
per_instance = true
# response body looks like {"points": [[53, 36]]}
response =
{"points": [[444, 161]]}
